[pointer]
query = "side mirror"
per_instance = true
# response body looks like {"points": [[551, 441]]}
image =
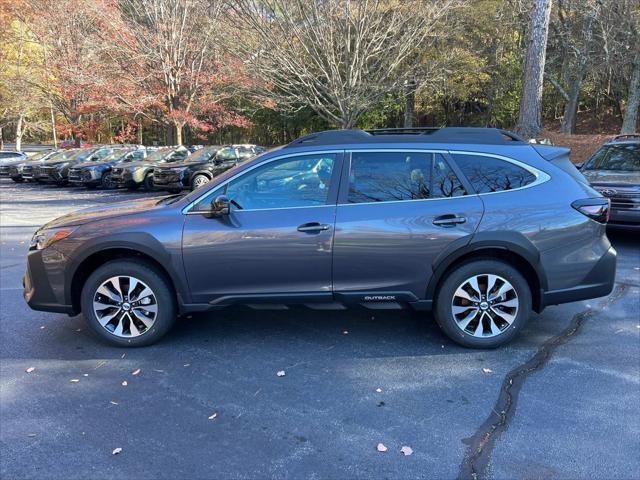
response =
{"points": [[220, 206], [579, 165]]}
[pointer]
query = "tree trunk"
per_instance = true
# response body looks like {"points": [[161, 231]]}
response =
{"points": [[19, 132], [140, 132], [568, 124], [410, 103], [53, 126], [1, 140], [530, 117], [630, 119], [179, 126]]}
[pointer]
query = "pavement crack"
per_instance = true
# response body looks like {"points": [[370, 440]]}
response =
{"points": [[481, 444]]}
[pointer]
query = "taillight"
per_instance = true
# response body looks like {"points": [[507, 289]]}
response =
{"points": [[595, 208]]}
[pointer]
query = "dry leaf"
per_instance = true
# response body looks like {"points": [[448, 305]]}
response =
{"points": [[113, 403], [281, 373], [379, 390], [30, 369], [381, 447], [79, 330], [135, 372], [187, 365], [124, 383], [406, 451], [345, 332], [211, 417], [123, 355], [74, 380], [101, 364], [116, 451], [85, 374], [487, 370], [31, 435], [42, 327]]}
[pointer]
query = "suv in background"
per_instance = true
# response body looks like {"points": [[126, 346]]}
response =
{"points": [[227, 157], [176, 176], [8, 159], [614, 171], [136, 174], [97, 173], [15, 169], [57, 171], [473, 224]]}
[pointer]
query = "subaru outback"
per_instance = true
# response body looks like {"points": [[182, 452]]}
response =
{"points": [[475, 225]]}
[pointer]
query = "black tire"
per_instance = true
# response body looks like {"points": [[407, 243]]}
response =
{"points": [[199, 178], [106, 181], [154, 279], [17, 179], [455, 278], [148, 182]]}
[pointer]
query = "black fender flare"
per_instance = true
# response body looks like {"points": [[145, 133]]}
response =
{"points": [[513, 242], [136, 242]]}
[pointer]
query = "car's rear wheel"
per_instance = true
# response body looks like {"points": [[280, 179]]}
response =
{"points": [[483, 303], [128, 303], [199, 180], [17, 179]]}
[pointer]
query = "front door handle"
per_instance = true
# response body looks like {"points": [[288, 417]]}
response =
{"points": [[313, 227], [448, 220]]}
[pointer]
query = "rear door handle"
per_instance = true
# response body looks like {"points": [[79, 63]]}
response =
{"points": [[448, 220], [313, 227]]}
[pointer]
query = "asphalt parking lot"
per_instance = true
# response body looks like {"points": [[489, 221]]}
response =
{"points": [[559, 402]]}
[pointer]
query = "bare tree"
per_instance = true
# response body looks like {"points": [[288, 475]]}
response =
{"points": [[630, 118], [530, 117], [339, 57]]}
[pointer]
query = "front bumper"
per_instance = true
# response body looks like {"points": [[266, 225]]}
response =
{"points": [[624, 218], [44, 282], [599, 282]]}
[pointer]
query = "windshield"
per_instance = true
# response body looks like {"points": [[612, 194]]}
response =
{"points": [[622, 157], [81, 154], [39, 156], [116, 155], [159, 155], [62, 155], [202, 155]]}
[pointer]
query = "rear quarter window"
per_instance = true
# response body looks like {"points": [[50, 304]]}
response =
{"points": [[490, 174]]}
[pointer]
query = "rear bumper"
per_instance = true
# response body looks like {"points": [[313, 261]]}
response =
{"points": [[598, 283]]}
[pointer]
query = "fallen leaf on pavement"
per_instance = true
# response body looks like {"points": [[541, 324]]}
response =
{"points": [[30, 369], [31, 435], [187, 365], [74, 380], [85, 374], [116, 451], [406, 451], [487, 370], [42, 327], [379, 390], [211, 417], [123, 355], [345, 332], [381, 447], [124, 383], [113, 403], [135, 372], [281, 373], [101, 364]]}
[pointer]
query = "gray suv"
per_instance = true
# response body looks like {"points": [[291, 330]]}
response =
{"points": [[475, 225]]}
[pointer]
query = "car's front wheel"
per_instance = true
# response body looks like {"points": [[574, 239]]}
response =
{"points": [[199, 180], [129, 303], [483, 303]]}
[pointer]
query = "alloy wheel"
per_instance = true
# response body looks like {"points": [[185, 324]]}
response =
{"points": [[485, 305], [199, 181], [125, 306]]}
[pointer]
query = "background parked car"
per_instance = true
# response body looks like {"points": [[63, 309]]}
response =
{"points": [[58, 171], [98, 172], [614, 170], [136, 174], [8, 158], [15, 169], [176, 176], [225, 158]]}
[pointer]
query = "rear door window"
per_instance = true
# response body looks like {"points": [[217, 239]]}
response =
{"points": [[490, 174], [400, 176]]}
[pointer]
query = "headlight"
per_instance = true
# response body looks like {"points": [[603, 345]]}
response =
{"points": [[44, 238]]}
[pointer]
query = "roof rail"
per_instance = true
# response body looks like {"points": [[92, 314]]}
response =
{"points": [[468, 135], [403, 131], [627, 135]]}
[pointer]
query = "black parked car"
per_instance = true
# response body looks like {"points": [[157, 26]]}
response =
{"points": [[58, 171], [136, 174], [225, 158], [176, 176], [614, 170], [15, 169], [98, 173]]}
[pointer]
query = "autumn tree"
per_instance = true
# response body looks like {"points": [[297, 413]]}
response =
{"points": [[530, 117], [339, 57]]}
